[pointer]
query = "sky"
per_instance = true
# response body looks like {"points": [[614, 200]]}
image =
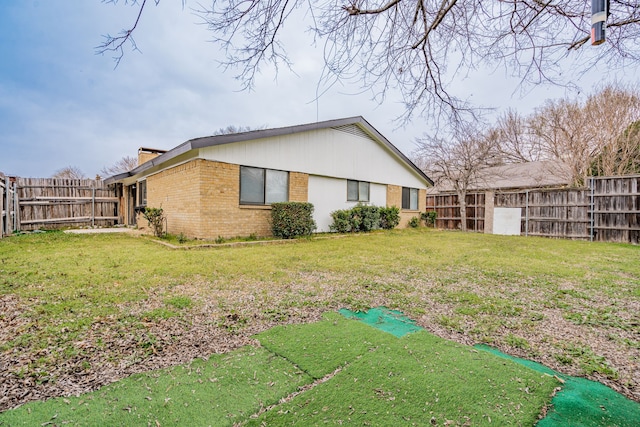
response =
{"points": [[63, 105]]}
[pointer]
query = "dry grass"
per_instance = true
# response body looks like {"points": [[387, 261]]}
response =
{"points": [[77, 312]]}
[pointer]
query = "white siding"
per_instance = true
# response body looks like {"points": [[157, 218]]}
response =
{"points": [[330, 194], [324, 152]]}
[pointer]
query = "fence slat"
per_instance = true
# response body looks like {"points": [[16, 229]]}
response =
{"points": [[56, 203], [609, 210]]}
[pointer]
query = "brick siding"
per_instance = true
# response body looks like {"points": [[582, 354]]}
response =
{"points": [[394, 198], [201, 199]]}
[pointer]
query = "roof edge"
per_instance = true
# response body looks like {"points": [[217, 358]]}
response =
{"points": [[207, 141]]}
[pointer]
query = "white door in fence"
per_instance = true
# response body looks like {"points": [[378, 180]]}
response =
{"points": [[506, 221]]}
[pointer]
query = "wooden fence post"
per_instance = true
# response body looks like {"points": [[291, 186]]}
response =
{"points": [[16, 208], [592, 205], [93, 207], [7, 205], [1, 209]]}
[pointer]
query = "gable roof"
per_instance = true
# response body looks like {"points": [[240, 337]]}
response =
{"points": [[210, 141], [516, 176]]}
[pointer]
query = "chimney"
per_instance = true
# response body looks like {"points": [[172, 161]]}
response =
{"points": [[146, 154]]}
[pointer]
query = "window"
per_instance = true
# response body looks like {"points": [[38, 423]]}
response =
{"points": [[260, 186], [357, 191], [142, 193], [410, 198]]}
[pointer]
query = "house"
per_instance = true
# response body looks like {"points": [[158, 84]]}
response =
{"points": [[481, 210], [514, 176], [223, 185]]}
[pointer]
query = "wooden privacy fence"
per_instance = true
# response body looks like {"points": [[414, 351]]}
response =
{"points": [[447, 209], [33, 203], [607, 210], [7, 206]]}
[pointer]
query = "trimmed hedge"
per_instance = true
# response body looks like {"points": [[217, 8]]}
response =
{"points": [[389, 217], [364, 218], [292, 219]]}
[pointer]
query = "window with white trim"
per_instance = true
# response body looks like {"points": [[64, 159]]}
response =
{"points": [[259, 186], [357, 191], [410, 198]]}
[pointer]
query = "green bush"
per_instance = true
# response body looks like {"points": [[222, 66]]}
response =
{"points": [[341, 221], [389, 217], [155, 218], [414, 222], [292, 219], [364, 218], [429, 218]]}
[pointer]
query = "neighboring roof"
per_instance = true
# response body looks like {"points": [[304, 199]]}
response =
{"points": [[517, 175], [210, 141]]}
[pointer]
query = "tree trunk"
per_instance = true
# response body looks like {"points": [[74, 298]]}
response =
{"points": [[463, 210]]}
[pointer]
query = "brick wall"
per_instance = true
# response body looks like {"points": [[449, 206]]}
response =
{"points": [[177, 191], [298, 187], [201, 199], [394, 198]]}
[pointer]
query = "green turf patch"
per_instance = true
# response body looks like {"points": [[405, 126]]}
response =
{"points": [[220, 391], [419, 379], [391, 321], [582, 402], [320, 348]]}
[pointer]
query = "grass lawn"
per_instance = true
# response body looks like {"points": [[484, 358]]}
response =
{"points": [[369, 377], [80, 311]]}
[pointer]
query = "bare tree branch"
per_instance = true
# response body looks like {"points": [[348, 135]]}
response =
{"points": [[125, 164], [69, 172], [418, 47], [458, 161], [114, 44]]}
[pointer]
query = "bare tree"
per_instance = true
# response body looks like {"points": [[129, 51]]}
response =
{"points": [[622, 157], [563, 132], [612, 114], [236, 129], [516, 141], [577, 134], [458, 162], [125, 164], [69, 172], [416, 47]]}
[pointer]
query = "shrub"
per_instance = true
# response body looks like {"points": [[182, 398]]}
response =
{"points": [[365, 218], [429, 218], [341, 221], [389, 217], [155, 218], [414, 222], [292, 219]]}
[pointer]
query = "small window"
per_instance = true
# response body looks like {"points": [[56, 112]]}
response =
{"points": [[142, 193], [410, 198], [260, 186], [357, 191]]}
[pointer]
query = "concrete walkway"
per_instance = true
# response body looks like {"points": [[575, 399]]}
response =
{"points": [[99, 230]]}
